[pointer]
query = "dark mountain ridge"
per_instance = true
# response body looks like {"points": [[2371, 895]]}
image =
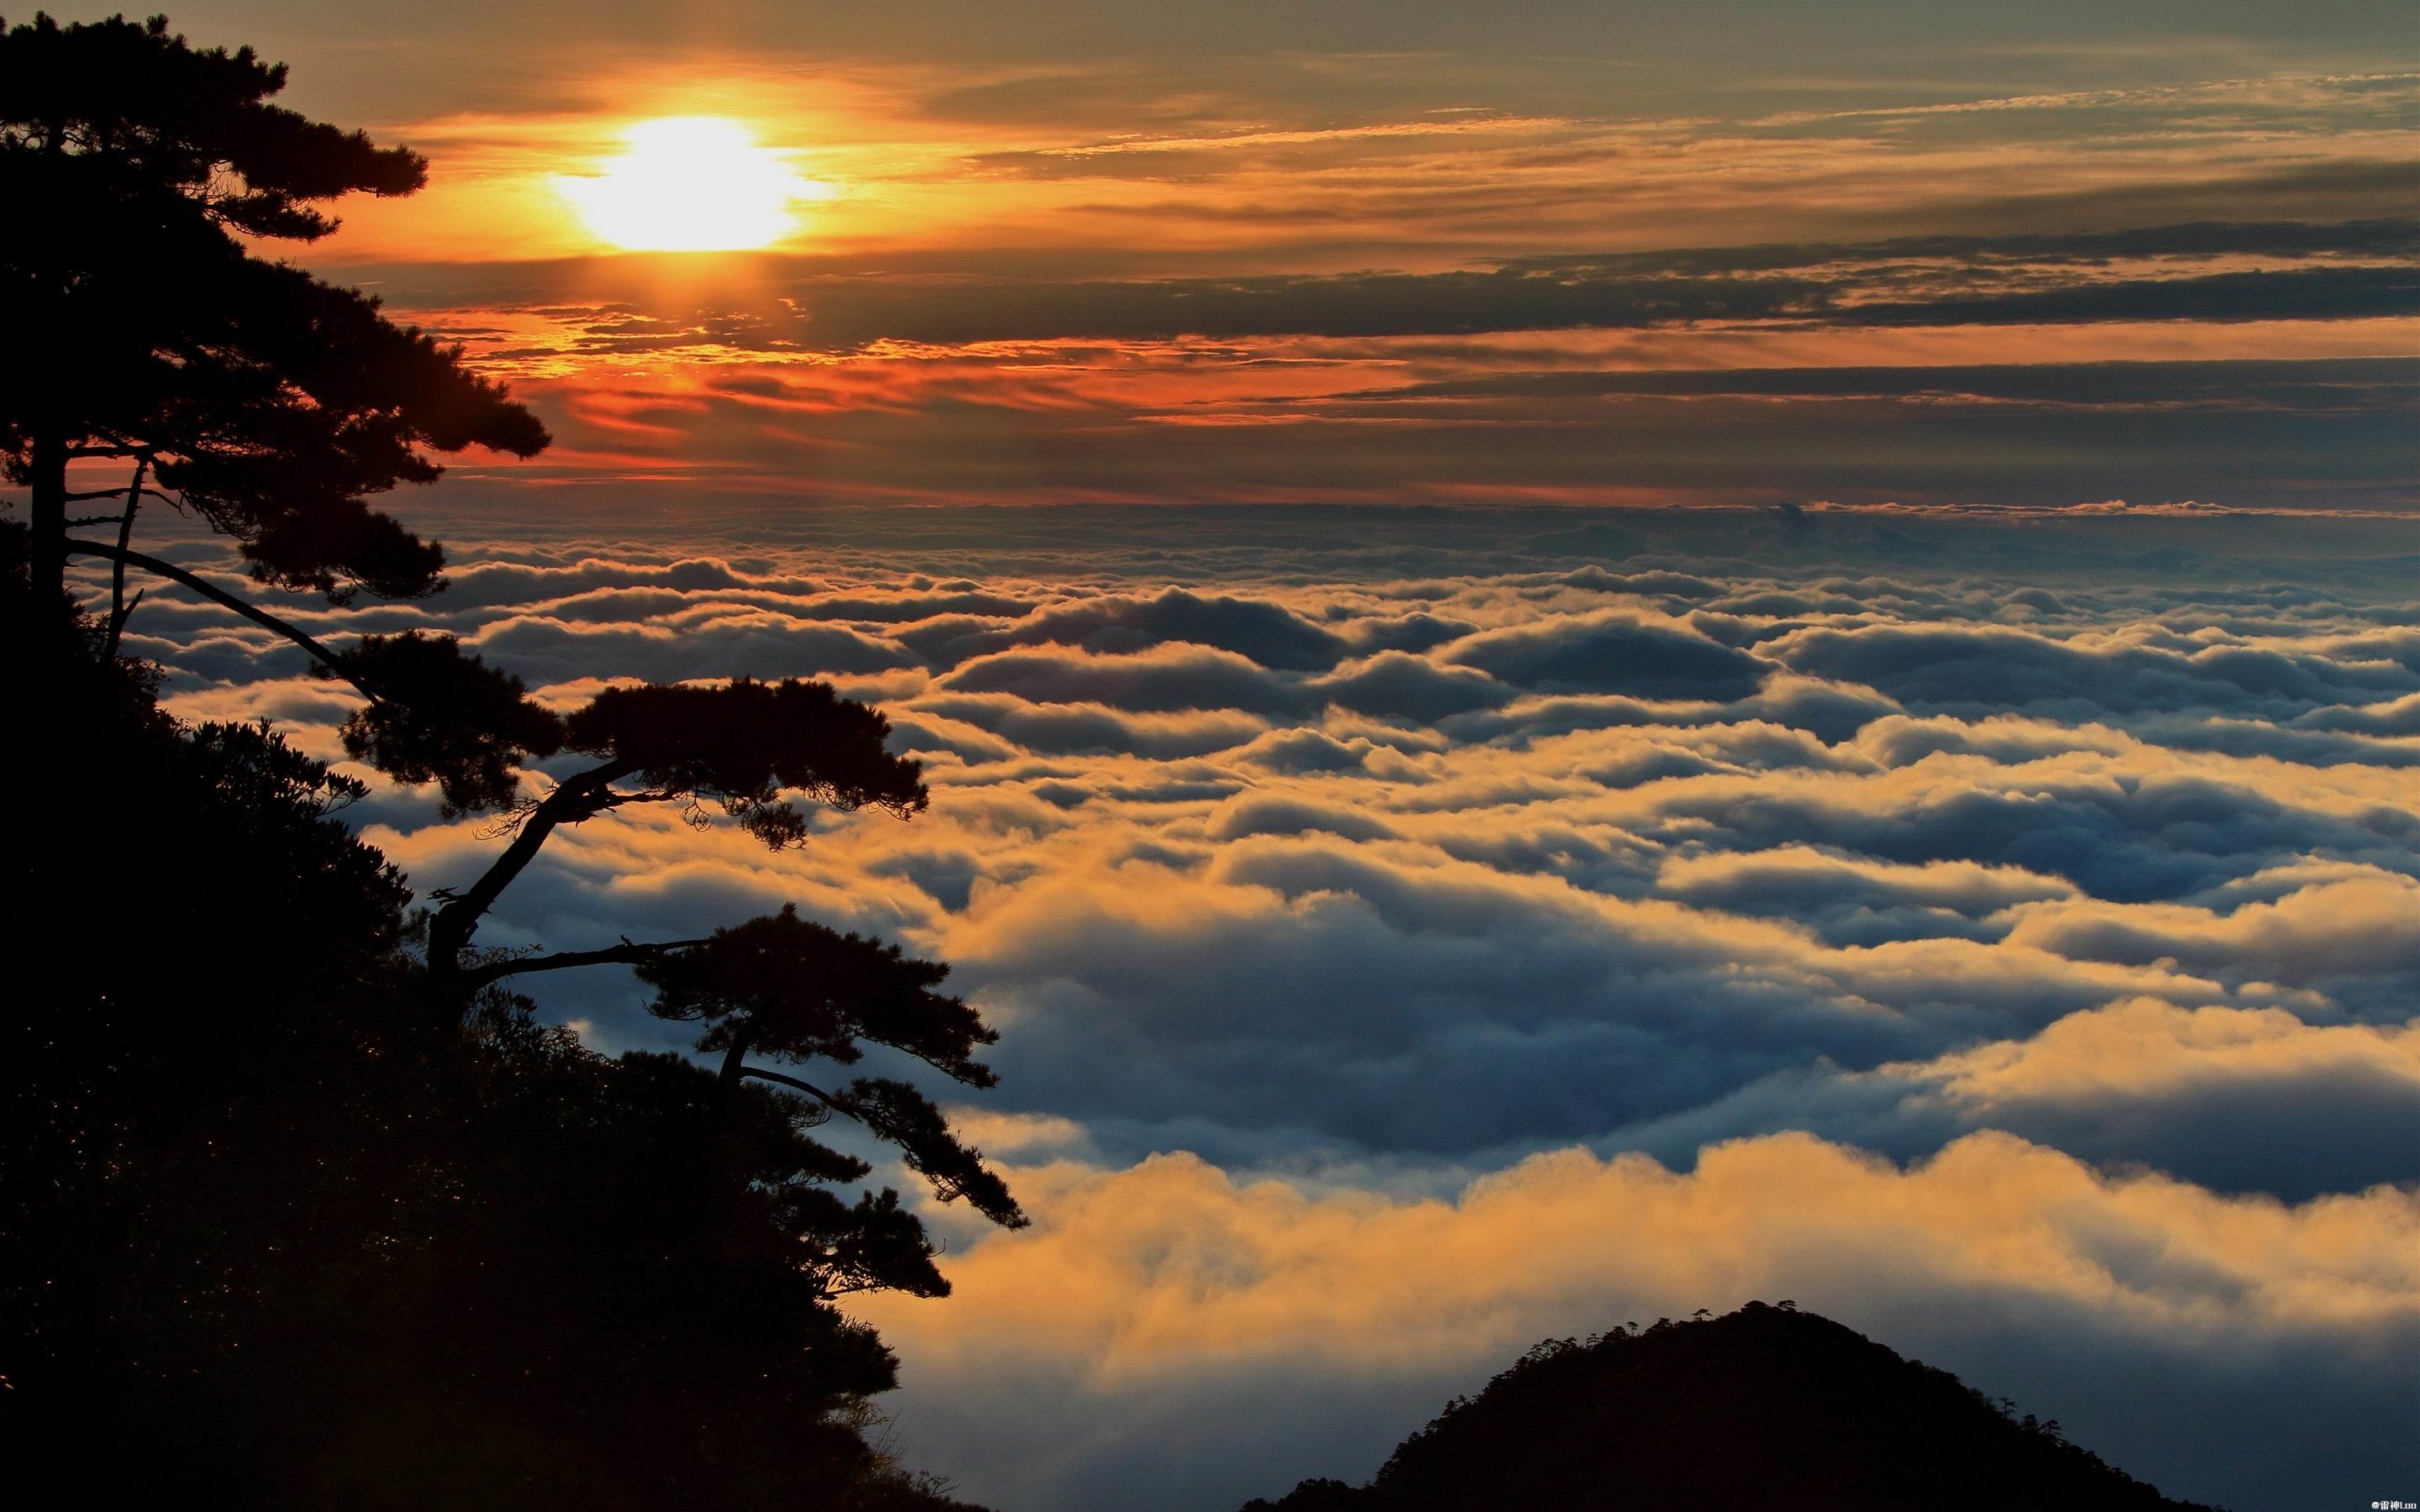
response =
{"points": [[1764, 1406]]}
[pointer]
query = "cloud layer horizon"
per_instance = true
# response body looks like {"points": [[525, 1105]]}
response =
{"points": [[1417, 932]]}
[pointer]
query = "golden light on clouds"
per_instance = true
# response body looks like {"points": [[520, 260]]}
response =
{"points": [[691, 183]]}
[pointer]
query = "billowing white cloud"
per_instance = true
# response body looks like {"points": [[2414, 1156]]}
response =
{"points": [[1411, 939], [1182, 1337]]}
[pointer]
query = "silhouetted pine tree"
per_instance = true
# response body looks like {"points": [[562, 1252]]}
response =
{"points": [[140, 327], [302, 1207]]}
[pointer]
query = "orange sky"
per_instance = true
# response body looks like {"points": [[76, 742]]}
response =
{"points": [[1035, 251]]}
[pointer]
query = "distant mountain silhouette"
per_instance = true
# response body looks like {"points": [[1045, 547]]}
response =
{"points": [[1766, 1406]]}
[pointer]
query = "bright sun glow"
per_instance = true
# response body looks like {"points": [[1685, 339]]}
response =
{"points": [[691, 183]]}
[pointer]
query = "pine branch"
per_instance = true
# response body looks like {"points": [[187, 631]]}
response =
{"points": [[626, 953], [223, 598], [831, 1099]]}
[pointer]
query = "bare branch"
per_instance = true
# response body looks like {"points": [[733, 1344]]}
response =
{"points": [[221, 597], [872, 1119], [626, 953], [831, 1099], [507, 822], [112, 493], [120, 616], [615, 800]]}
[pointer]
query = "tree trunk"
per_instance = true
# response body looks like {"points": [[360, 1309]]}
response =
{"points": [[734, 1064], [50, 511], [119, 608], [580, 797]]}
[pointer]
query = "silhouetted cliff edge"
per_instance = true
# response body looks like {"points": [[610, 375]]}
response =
{"points": [[1766, 1406]]}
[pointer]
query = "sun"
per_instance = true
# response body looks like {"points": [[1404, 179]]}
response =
{"points": [[691, 183]]}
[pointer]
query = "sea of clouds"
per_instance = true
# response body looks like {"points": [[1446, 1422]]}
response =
{"points": [[1414, 933]]}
